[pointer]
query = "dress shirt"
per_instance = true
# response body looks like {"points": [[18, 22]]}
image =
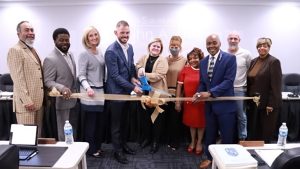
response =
{"points": [[125, 48]]}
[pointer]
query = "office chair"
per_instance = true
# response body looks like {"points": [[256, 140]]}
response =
{"points": [[9, 157], [6, 83], [291, 83], [289, 159]]}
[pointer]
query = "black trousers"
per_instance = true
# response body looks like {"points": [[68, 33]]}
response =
{"points": [[174, 126], [95, 127], [262, 125], [117, 110], [153, 131]]}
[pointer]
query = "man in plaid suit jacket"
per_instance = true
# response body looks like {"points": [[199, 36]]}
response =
{"points": [[26, 72]]}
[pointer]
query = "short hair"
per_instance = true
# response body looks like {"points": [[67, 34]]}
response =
{"points": [[122, 23], [235, 33], [19, 26], [156, 40], [85, 37], [59, 31], [264, 40], [176, 38], [197, 52]]}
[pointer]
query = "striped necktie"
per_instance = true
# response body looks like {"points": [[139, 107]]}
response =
{"points": [[211, 68]]}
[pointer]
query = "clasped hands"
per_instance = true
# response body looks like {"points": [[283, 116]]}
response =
{"points": [[30, 107]]}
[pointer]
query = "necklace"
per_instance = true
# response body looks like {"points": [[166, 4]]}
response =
{"points": [[152, 59]]}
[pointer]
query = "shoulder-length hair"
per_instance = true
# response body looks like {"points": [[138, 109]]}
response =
{"points": [[85, 38]]}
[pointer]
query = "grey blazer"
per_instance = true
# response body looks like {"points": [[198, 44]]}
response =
{"points": [[57, 73]]}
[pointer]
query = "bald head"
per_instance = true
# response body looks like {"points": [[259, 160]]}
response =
{"points": [[213, 44], [233, 40]]}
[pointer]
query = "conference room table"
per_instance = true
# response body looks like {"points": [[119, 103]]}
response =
{"points": [[269, 151], [290, 113], [73, 158]]}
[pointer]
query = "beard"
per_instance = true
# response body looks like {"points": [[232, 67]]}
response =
{"points": [[64, 48], [233, 47], [123, 40], [29, 42]]}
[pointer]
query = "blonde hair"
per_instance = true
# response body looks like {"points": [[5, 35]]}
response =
{"points": [[264, 40], [156, 40], [85, 38]]}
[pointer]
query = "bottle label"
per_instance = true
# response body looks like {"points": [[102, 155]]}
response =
{"points": [[68, 131], [282, 136]]}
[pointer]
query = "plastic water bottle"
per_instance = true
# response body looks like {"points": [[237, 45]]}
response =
{"points": [[282, 135], [68, 130]]}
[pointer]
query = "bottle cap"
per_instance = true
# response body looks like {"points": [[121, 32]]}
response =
{"points": [[284, 123], [67, 121]]}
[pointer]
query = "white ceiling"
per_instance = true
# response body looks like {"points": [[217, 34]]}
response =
{"points": [[88, 2]]}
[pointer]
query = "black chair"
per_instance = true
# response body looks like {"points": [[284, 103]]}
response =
{"points": [[291, 83], [289, 159], [9, 157], [6, 83]]}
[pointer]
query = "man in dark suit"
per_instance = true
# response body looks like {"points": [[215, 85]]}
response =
{"points": [[60, 72], [120, 80], [217, 73]]}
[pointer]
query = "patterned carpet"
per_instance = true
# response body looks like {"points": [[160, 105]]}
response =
{"points": [[165, 158]]}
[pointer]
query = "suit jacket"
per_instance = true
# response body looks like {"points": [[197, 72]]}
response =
{"points": [[58, 74], [119, 70], [26, 73], [157, 77], [221, 83], [267, 82]]}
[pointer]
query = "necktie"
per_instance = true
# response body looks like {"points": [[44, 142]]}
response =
{"points": [[35, 55], [211, 67], [33, 51]]}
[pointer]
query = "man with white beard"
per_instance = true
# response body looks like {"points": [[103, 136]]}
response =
{"points": [[26, 72], [243, 59]]}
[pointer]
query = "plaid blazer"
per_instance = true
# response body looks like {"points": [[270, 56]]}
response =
{"points": [[26, 73]]}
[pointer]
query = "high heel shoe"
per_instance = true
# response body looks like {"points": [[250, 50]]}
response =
{"points": [[199, 151], [190, 149]]}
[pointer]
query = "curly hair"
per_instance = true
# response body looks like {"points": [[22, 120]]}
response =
{"points": [[197, 52]]}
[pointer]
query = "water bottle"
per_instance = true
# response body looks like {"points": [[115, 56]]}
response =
{"points": [[282, 135], [68, 132]]}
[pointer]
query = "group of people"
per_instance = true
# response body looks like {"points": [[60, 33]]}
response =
{"points": [[231, 73], [235, 73]]}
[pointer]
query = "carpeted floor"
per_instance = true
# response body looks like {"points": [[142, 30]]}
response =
{"points": [[165, 158]]}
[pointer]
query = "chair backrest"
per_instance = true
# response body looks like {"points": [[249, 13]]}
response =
{"points": [[9, 156], [289, 159], [6, 83], [291, 83]]}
